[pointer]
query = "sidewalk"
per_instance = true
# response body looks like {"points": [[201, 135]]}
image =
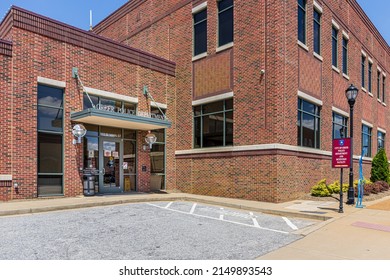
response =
{"points": [[358, 233]]}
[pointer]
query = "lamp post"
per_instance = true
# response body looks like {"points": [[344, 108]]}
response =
{"points": [[351, 94]]}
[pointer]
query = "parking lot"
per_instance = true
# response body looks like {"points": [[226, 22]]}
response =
{"points": [[158, 230]]}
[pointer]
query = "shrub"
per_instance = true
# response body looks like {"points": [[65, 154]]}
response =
{"points": [[320, 189], [383, 186], [335, 187], [368, 189], [380, 167]]}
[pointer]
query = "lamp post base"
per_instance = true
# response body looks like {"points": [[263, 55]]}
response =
{"points": [[351, 196]]}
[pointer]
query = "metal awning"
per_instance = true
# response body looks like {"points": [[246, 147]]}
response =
{"points": [[115, 119]]}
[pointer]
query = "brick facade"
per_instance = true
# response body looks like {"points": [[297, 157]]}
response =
{"points": [[265, 71], [259, 166]]}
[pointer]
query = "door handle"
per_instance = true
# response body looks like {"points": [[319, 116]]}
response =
{"points": [[103, 171]]}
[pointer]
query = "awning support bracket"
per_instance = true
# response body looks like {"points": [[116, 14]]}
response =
{"points": [[147, 94], [75, 74]]}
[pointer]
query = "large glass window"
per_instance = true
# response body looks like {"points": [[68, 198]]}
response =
{"points": [[345, 56], [200, 32], [225, 22], [381, 140], [302, 21], [363, 74], [317, 31], [378, 84], [213, 124], [366, 139], [340, 126], [383, 89], [50, 140], [109, 104], [157, 158], [334, 46], [369, 77], [308, 124]]}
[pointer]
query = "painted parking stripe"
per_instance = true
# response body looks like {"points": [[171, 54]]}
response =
{"points": [[169, 205], [255, 222], [212, 218], [193, 208], [290, 224], [221, 215]]}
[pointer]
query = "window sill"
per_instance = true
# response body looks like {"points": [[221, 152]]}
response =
{"points": [[384, 104], [363, 89], [225, 47], [199, 56], [380, 101], [303, 46], [319, 57], [370, 94], [346, 76], [336, 69]]}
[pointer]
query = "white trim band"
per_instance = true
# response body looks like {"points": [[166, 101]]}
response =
{"points": [[51, 82], [335, 25], [367, 123], [309, 98], [199, 8], [345, 35], [370, 60], [382, 130], [5, 177], [340, 112], [213, 98], [364, 53], [111, 95], [317, 7]]}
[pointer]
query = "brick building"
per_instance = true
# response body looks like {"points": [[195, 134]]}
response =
{"points": [[254, 92]]}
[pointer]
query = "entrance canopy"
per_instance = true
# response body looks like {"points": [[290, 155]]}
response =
{"points": [[122, 120]]}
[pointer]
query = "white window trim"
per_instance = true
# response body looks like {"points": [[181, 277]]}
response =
{"points": [[336, 69], [379, 69], [199, 8], [111, 95], [199, 56], [382, 130], [302, 45], [364, 53], [319, 57], [370, 60], [309, 98], [224, 47], [51, 82], [384, 74], [211, 99], [345, 35], [340, 112], [335, 25], [346, 76], [367, 123], [317, 7], [5, 177]]}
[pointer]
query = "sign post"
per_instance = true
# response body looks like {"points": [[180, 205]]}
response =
{"points": [[341, 152]]}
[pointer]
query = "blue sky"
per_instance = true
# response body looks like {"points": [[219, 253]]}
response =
{"points": [[76, 12]]}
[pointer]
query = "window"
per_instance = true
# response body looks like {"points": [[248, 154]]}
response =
{"points": [[381, 140], [366, 139], [50, 140], [213, 124], [369, 77], [225, 22], [334, 46], [200, 32], [345, 56], [378, 84], [157, 157], [308, 124], [363, 71], [317, 31], [383, 88], [302, 21], [109, 104], [340, 126]]}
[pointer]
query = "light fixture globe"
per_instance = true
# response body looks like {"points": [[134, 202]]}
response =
{"points": [[351, 94], [150, 139], [79, 131]]}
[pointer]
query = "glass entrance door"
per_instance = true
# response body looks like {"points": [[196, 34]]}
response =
{"points": [[110, 160]]}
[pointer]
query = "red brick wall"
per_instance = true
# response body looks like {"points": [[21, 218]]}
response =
{"points": [[265, 106]]}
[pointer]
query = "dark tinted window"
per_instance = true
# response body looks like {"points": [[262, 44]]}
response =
{"points": [[225, 22], [200, 32]]}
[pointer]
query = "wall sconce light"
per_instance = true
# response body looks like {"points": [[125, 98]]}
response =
{"points": [[150, 139], [78, 131]]}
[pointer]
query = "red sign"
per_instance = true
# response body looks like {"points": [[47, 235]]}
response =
{"points": [[341, 153]]}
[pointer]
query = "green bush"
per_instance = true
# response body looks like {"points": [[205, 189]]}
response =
{"points": [[320, 189], [380, 167], [335, 187]]}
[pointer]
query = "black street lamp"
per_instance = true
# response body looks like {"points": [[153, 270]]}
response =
{"points": [[351, 94]]}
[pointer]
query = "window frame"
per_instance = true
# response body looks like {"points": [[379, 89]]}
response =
{"points": [[363, 71], [317, 27], [194, 25], [345, 55], [316, 117], [370, 76], [221, 12], [335, 35], [378, 85], [302, 26], [200, 116], [381, 137], [343, 125], [367, 134], [383, 88]]}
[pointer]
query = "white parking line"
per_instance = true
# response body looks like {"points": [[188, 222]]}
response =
{"points": [[218, 219], [221, 215], [193, 208], [255, 223], [169, 205], [289, 223]]}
